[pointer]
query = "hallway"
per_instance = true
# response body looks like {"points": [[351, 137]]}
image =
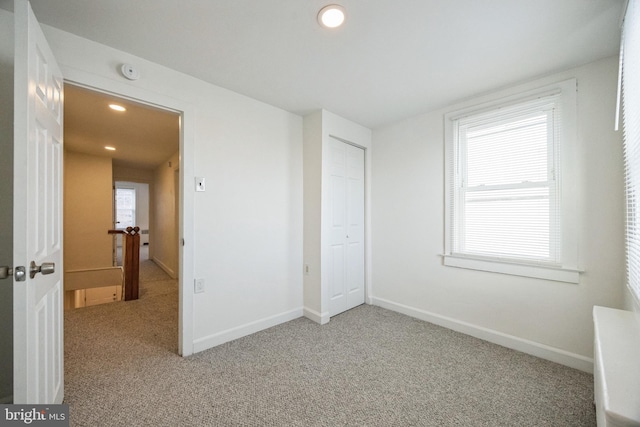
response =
{"points": [[106, 345]]}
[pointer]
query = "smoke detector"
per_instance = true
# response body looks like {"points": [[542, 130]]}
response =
{"points": [[130, 72]]}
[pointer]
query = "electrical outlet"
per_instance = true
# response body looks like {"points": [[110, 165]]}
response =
{"points": [[198, 286]]}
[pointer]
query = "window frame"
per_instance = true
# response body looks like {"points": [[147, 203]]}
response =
{"points": [[566, 269]]}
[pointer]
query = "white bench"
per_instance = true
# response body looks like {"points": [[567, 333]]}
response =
{"points": [[616, 371]]}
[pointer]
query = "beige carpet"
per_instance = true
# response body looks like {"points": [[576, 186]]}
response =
{"points": [[367, 367]]}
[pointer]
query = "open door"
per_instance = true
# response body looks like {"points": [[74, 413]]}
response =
{"points": [[37, 206]]}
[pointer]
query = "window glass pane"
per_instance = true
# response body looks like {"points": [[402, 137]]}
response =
{"points": [[512, 152], [511, 223], [125, 207]]}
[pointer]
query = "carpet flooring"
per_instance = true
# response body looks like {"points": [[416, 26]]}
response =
{"points": [[367, 367]]}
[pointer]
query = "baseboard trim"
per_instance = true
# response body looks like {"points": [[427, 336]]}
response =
{"points": [[6, 400], [533, 348], [244, 330], [164, 267], [322, 319]]}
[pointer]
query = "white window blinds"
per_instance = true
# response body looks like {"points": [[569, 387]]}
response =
{"points": [[631, 135], [505, 200]]}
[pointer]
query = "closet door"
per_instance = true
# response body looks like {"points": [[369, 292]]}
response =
{"points": [[346, 252]]}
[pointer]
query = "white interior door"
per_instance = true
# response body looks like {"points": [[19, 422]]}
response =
{"points": [[37, 228], [346, 252]]}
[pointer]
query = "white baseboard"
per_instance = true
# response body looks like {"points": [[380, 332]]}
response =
{"points": [[543, 351], [244, 330], [322, 319], [166, 269]]}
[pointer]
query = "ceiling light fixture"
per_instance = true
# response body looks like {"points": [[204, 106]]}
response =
{"points": [[117, 107], [107, 147], [331, 16]]}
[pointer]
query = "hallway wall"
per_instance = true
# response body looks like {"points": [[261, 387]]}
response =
{"points": [[163, 244], [88, 211]]}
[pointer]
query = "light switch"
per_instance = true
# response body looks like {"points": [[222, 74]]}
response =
{"points": [[198, 286], [199, 183]]}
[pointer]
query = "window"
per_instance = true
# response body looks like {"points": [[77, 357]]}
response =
{"points": [[631, 135], [506, 186], [125, 207]]}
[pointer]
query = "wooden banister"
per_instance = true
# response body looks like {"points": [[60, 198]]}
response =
{"points": [[130, 260]]}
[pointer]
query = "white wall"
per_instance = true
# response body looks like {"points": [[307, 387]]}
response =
{"points": [[312, 154], [319, 127], [6, 208], [551, 319], [245, 232]]}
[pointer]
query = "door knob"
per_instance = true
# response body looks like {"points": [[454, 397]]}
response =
{"points": [[45, 268], [6, 271]]}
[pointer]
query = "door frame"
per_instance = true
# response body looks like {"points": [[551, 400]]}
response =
{"points": [[187, 159]]}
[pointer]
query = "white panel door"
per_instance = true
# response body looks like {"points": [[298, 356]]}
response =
{"points": [[37, 203], [346, 247]]}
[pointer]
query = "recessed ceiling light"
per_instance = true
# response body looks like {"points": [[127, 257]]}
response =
{"points": [[109, 148], [117, 107], [331, 16]]}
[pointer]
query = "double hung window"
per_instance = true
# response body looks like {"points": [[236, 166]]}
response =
{"points": [[505, 189]]}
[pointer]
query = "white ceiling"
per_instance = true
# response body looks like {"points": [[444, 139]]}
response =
{"points": [[391, 60], [143, 136]]}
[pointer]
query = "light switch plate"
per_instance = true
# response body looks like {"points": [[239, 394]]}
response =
{"points": [[199, 183], [198, 286]]}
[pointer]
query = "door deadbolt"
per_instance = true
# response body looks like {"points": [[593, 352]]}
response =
{"points": [[45, 268]]}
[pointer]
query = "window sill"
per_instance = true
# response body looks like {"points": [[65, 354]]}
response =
{"points": [[534, 271]]}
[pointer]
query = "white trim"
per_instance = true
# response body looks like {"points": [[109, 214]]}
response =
{"points": [[321, 318], [165, 268], [186, 258], [535, 271], [222, 337], [542, 351]]}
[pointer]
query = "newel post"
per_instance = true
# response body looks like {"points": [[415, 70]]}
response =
{"points": [[130, 260]]}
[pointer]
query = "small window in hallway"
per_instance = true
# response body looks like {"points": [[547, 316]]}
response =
{"points": [[125, 207]]}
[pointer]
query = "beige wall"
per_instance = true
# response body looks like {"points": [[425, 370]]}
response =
{"points": [[132, 174], [88, 211], [163, 238]]}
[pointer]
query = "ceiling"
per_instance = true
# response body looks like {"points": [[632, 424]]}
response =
{"points": [[392, 59], [143, 136]]}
